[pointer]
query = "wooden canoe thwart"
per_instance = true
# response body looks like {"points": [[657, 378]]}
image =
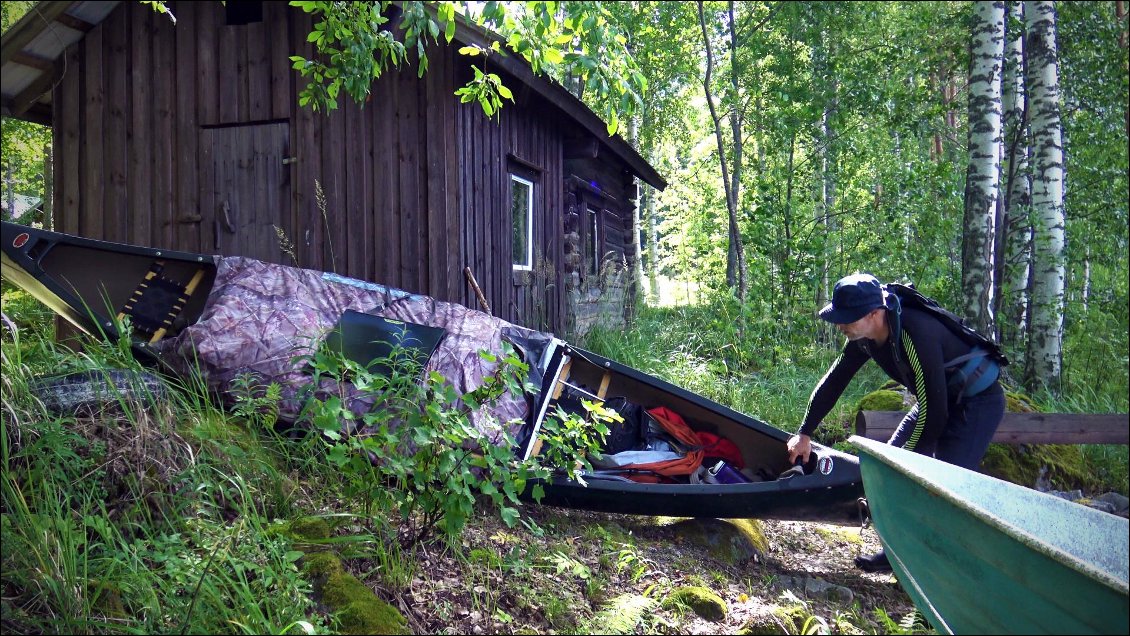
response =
{"points": [[979, 555], [1022, 428]]}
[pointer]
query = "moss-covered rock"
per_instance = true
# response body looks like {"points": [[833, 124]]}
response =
{"points": [[341, 589], [775, 620], [372, 616], [732, 541], [321, 566], [701, 600], [886, 399], [1041, 466], [308, 529], [356, 607], [1018, 403]]}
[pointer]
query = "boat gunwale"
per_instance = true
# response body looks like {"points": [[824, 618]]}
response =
{"points": [[875, 450]]}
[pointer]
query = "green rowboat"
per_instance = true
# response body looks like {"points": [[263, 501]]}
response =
{"points": [[978, 555]]}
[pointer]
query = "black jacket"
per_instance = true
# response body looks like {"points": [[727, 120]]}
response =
{"points": [[919, 366]]}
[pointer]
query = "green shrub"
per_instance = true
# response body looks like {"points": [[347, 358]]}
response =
{"points": [[417, 451]]}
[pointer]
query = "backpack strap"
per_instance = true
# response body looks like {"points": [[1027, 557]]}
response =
{"points": [[968, 379], [894, 320]]}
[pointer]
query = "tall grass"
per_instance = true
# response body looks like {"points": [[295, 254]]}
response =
{"points": [[151, 515]]}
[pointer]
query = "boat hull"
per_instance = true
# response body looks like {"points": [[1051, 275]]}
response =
{"points": [[828, 490], [983, 556]]}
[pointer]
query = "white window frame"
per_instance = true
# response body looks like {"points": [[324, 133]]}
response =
{"points": [[594, 239], [528, 264]]}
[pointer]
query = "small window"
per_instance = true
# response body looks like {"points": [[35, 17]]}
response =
{"points": [[240, 12], [594, 246], [522, 215]]}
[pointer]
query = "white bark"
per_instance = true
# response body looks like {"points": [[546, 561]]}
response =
{"points": [[1016, 231], [1045, 341], [826, 189], [982, 180], [636, 265]]}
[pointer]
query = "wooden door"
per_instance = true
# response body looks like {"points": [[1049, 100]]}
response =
{"points": [[251, 186]]}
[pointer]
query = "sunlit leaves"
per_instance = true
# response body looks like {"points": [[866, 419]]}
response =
{"points": [[355, 45]]}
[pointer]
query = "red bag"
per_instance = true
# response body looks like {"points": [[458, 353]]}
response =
{"points": [[720, 447], [673, 423]]}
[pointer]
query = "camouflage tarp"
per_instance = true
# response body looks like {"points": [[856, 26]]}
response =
{"points": [[261, 317]]}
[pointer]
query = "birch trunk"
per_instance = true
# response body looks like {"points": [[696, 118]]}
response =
{"points": [[652, 244], [826, 190], [1014, 235], [982, 180], [635, 285], [1044, 364], [736, 274]]}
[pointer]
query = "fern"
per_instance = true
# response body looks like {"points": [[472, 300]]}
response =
{"points": [[620, 615]]}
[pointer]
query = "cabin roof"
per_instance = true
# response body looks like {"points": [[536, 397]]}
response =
{"points": [[30, 48]]}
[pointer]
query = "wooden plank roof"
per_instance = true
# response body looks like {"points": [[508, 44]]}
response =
{"points": [[30, 48]]}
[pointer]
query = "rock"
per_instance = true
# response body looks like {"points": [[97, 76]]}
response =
{"points": [[703, 601], [1070, 495], [1101, 506], [816, 588], [733, 541], [1118, 502], [830, 591]]}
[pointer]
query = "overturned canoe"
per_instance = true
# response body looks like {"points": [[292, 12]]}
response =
{"points": [[983, 556], [223, 317]]}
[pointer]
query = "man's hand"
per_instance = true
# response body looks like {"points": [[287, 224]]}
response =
{"points": [[799, 446]]}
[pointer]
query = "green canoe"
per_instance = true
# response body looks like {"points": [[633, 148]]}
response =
{"points": [[978, 555]]}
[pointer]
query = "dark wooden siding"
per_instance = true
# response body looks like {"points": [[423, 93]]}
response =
{"points": [[415, 184]]}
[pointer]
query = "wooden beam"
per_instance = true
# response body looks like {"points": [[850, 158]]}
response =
{"points": [[31, 25], [78, 24], [34, 61], [1022, 428], [37, 113], [24, 101]]}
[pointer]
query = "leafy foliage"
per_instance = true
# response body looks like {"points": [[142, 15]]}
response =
{"points": [[417, 450], [355, 44]]}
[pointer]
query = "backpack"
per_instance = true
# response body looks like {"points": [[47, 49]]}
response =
{"points": [[973, 374]]}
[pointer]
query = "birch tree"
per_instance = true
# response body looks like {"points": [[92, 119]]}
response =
{"points": [[1044, 362], [736, 272], [826, 183], [1014, 235], [982, 182]]}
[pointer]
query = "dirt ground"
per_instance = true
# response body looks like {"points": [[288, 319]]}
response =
{"points": [[606, 573]]}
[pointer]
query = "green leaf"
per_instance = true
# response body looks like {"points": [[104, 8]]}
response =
{"points": [[509, 516]]}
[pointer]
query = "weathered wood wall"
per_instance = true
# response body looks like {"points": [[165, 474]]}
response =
{"points": [[190, 137]]}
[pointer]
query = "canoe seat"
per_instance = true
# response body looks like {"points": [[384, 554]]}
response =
{"points": [[157, 301]]}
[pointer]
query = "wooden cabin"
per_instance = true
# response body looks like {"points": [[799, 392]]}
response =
{"points": [[189, 136]]}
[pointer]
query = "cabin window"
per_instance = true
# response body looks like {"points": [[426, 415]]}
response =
{"points": [[594, 244], [240, 12], [522, 217]]}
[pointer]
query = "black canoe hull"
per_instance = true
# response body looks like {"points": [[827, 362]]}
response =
{"points": [[827, 491], [66, 272]]}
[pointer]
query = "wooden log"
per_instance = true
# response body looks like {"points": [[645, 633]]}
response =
{"points": [[1022, 428], [475, 286]]}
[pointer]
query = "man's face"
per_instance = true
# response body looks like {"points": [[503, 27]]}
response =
{"points": [[862, 328]]}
